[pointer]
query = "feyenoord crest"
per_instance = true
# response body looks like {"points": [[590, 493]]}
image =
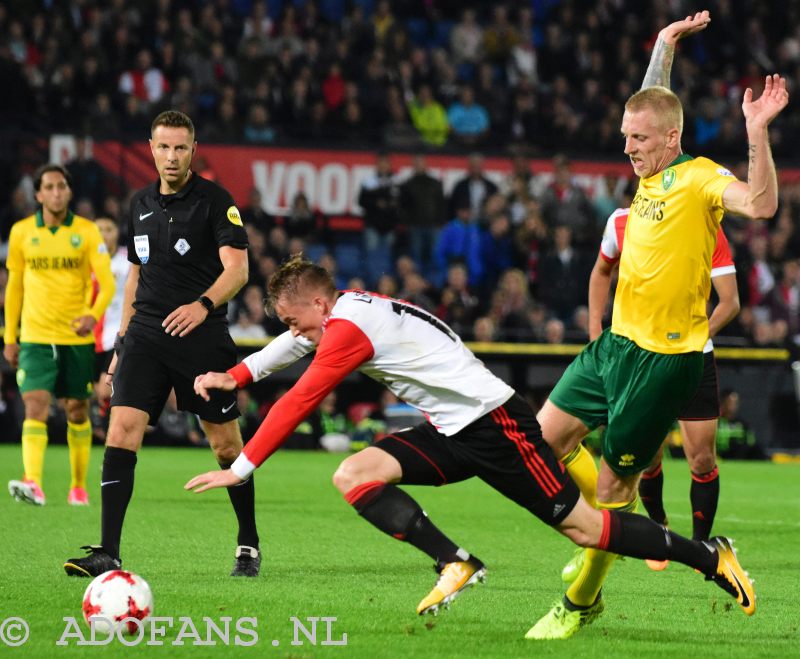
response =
{"points": [[142, 246], [668, 178], [75, 240]]}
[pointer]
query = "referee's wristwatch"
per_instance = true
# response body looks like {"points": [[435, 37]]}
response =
{"points": [[206, 302]]}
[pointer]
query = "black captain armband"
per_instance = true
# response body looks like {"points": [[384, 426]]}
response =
{"points": [[206, 302]]}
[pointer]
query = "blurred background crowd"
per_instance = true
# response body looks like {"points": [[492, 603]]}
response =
{"points": [[526, 80]]}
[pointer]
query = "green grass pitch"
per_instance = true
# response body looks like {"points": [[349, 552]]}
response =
{"points": [[321, 559]]}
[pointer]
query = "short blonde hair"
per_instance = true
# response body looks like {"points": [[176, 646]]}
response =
{"points": [[664, 103], [295, 276]]}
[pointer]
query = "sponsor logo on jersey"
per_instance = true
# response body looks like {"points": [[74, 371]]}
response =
{"points": [[673, 336], [668, 178], [35, 241], [182, 246], [75, 240], [234, 217], [626, 460], [144, 216], [142, 246]]}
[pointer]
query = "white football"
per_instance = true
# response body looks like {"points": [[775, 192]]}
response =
{"points": [[115, 596]]}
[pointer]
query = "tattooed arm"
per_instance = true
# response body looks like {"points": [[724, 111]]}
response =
{"points": [[664, 51], [758, 198]]}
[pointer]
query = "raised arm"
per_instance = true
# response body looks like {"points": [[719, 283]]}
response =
{"points": [[658, 71], [758, 198]]}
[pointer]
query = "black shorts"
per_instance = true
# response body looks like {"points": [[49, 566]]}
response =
{"points": [[102, 360], [504, 448], [152, 362], [705, 404]]}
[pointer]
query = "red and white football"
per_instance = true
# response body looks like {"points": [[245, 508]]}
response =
{"points": [[115, 596]]}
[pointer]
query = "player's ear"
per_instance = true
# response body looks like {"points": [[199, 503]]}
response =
{"points": [[673, 137]]}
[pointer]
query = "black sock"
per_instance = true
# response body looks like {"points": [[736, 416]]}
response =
{"points": [[640, 537], [651, 492], [394, 512], [243, 499], [116, 489], [704, 495]]}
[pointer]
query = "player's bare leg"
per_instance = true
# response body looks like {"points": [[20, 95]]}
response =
{"points": [[226, 442], [367, 481]]}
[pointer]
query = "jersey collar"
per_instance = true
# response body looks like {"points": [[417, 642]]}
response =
{"points": [[155, 189], [66, 223], [684, 157]]}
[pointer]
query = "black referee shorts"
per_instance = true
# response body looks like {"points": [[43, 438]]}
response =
{"points": [[503, 448], [705, 404], [152, 362]]}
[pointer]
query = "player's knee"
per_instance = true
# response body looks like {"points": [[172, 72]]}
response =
{"points": [[226, 454], [348, 475], [702, 462], [581, 537]]}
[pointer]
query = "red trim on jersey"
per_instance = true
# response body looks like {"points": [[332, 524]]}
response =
{"points": [[364, 493], [722, 252], [648, 475], [342, 349], [620, 222], [607, 259], [533, 461], [605, 534], [418, 450], [706, 478], [241, 374]]}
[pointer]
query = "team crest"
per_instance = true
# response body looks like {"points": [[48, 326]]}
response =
{"points": [[75, 240], [234, 217], [626, 460], [35, 241], [668, 178]]}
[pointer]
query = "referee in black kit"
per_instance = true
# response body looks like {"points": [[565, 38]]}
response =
{"points": [[188, 258]]}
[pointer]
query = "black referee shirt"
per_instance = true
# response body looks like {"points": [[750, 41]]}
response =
{"points": [[176, 240]]}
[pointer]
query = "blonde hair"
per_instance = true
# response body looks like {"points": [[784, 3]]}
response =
{"points": [[295, 274], [665, 105]]}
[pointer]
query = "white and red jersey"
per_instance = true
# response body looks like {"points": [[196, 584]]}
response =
{"points": [[105, 331], [407, 349], [614, 237]]}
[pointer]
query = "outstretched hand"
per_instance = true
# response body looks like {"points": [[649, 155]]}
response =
{"points": [[761, 112], [211, 380], [689, 25], [212, 479]]}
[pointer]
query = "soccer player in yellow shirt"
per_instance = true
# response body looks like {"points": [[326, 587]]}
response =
{"points": [[637, 376], [48, 326]]}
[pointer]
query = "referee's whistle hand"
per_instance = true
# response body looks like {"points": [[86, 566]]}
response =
{"points": [[184, 319], [212, 479], [211, 380]]}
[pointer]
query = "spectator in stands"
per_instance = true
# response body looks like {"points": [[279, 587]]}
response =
{"points": [[302, 221], [246, 328], [428, 117], [417, 291], [484, 330], [459, 241], [500, 37], [531, 242], [554, 331], [496, 250], [255, 215], [146, 81], [458, 307], [380, 198], [510, 306], [563, 275], [565, 203], [387, 285], [735, 440], [473, 190], [469, 121], [423, 212], [88, 176], [258, 129]]}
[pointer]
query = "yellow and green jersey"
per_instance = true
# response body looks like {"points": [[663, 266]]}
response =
{"points": [[665, 268], [50, 279]]}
